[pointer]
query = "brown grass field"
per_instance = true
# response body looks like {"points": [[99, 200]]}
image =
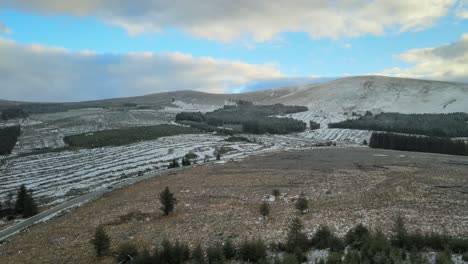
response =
{"points": [[345, 186]]}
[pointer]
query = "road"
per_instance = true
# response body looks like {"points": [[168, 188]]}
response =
{"points": [[11, 230]]}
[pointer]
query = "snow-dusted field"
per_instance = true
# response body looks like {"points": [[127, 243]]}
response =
{"points": [[325, 134], [55, 177], [47, 130], [180, 106], [58, 176]]}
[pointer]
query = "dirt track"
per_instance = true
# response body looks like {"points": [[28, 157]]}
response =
{"points": [[344, 186]]}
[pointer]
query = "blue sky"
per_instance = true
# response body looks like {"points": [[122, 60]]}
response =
{"points": [[244, 53]]}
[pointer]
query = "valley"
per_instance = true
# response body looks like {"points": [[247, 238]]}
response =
{"points": [[344, 186], [98, 148]]}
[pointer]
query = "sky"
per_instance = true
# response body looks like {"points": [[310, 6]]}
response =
{"points": [[67, 50]]}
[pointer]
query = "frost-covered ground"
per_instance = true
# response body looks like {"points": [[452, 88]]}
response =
{"points": [[325, 134], [180, 106], [55, 177], [47, 130], [58, 176]]}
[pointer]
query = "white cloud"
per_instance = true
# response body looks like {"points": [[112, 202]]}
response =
{"points": [[5, 30], [260, 20], [448, 62], [462, 9], [41, 73]]}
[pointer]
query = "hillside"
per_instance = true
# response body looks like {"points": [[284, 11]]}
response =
{"points": [[345, 187], [377, 94], [362, 93]]}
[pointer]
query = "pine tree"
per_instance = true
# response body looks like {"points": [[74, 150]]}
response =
{"points": [[229, 250], [101, 242], [186, 162], [296, 238], [167, 200], [215, 254], [264, 209], [198, 256], [174, 164], [126, 252], [302, 204], [20, 199], [30, 207], [400, 234]]}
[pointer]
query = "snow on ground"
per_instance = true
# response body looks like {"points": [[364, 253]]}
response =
{"points": [[58, 176], [47, 130], [378, 94], [340, 136], [190, 107], [325, 134], [320, 117]]}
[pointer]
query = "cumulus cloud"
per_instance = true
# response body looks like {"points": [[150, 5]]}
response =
{"points": [[4, 29], [462, 9], [42, 73], [260, 20], [448, 62]]}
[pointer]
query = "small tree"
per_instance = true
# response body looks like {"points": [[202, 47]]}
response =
{"points": [[215, 254], [325, 238], [126, 252], [252, 251], [174, 164], [198, 256], [20, 198], [186, 162], [276, 193], [296, 239], [302, 204], [264, 209], [30, 207], [400, 234], [101, 242], [218, 156], [357, 236], [167, 200], [229, 250]]}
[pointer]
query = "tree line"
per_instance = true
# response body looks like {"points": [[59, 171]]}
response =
{"points": [[418, 144], [314, 125], [435, 125], [12, 113], [360, 245], [255, 119], [8, 138]]}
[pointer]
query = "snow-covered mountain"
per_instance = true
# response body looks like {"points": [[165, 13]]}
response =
{"points": [[361, 93], [379, 94]]}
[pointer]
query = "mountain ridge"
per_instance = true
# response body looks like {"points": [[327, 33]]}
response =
{"points": [[358, 93]]}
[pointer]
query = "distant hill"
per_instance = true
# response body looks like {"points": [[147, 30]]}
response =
{"points": [[362, 93]]}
